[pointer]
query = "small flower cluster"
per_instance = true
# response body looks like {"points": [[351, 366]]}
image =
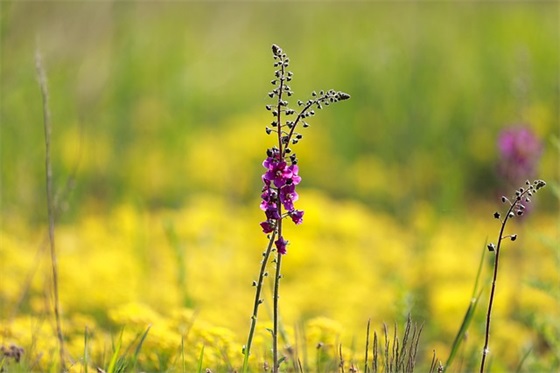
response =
{"points": [[281, 176], [517, 206]]}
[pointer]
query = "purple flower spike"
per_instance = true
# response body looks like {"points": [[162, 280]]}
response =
{"points": [[279, 191]]}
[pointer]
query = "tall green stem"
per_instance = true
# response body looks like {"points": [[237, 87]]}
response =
{"points": [[258, 301], [493, 290], [277, 277]]}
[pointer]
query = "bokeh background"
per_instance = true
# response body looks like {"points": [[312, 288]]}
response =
{"points": [[158, 130]]}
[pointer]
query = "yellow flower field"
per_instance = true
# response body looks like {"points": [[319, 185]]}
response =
{"points": [[123, 273]]}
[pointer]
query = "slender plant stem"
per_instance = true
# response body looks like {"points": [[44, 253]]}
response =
{"points": [[276, 296], [366, 367], [276, 316], [493, 289], [278, 229], [59, 200], [257, 302], [50, 200]]}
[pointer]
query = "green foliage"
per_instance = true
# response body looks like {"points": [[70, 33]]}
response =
{"points": [[431, 92], [116, 364]]}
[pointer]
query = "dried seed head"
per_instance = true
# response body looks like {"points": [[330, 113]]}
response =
{"points": [[343, 96]]}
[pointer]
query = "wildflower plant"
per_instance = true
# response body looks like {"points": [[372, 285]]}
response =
{"points": [[516, 206], [280, 180]]}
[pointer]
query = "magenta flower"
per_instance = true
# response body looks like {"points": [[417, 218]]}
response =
{"points": [[297, 216], [294, 169], [288, 196], [281, 245], [268, 226], [277, 173], [520, 152]]}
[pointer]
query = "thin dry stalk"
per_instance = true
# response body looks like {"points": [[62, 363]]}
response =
{"points": [[50, 200], [375, 355], [59, 201], [414, 348], [398, 355], [435, 366], [341, 363], [366, 368]]}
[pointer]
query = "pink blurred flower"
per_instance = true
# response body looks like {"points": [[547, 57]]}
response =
{"points": [[520, 152]]}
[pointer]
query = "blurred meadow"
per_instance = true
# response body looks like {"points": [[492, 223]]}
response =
{"points": [[158, 138]]}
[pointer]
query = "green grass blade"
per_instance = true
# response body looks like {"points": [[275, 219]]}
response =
{"points": [[200, 358], [115, 357], [462, 330], [139, 346], [480, 266], [469, 314], [183, 354], [522, 361], [86, 342]]}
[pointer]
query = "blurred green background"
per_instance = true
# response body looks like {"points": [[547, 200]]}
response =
{"points": [[144, 96]]}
